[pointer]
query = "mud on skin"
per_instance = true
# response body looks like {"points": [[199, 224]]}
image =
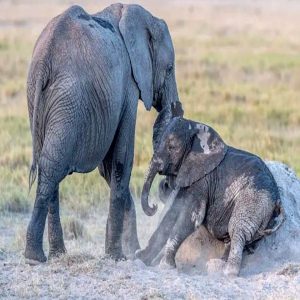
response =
{"points": [[230, 191]]}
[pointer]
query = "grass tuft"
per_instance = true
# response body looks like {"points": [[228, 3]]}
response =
{"points": [[73, 228]]}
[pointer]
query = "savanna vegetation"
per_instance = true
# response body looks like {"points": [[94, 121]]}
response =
{"points": [[238, 69]]}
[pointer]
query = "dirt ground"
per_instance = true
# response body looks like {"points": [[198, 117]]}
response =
{"points": [[273, 271]]}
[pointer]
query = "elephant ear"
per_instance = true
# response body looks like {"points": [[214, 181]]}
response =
{"points": [[134, 26], [206, 153]]}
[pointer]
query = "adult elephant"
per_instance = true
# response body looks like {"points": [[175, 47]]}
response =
{"points": [[86, 76]]}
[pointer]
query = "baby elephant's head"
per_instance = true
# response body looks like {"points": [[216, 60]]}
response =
{"points": [[187, 151]]}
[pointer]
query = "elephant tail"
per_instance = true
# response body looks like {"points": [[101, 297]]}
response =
{"points": [[35, 133], [278, 220]]}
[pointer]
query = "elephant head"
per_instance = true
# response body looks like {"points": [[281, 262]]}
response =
{"points": [[187, 151], [163, 119], [151, 53]]}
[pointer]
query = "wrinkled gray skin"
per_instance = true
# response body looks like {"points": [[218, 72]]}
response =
{"points": [[230, 191], [86, 76]]}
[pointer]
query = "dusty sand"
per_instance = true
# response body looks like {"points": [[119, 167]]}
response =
{"points": [[273, 271]]}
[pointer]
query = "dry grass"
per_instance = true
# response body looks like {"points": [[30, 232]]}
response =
{"points": [[238, 69], [73, 228]]}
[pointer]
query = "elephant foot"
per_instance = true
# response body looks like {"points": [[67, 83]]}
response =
{"points": [[167, 264], [130, 246], [116, 255], [130, 251], [231, 270], [143, 256], [121, 257], [215, 266], [130, 256], [56, 252], [32, 262], [34, 257], [117, 258]]}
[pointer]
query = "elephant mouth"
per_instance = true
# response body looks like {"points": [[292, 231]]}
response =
{"points": [[165, 172], [168, 170]]}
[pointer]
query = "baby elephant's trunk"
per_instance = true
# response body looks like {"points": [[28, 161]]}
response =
{"points": [[153, 169]]}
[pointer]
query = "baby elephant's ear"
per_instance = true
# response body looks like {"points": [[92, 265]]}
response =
{"points": [[207, 152]]}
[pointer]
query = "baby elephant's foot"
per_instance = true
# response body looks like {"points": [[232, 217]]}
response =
{"points": [[231, 270], [143, 256], [139, 254], [215, 266], [167, 264]]}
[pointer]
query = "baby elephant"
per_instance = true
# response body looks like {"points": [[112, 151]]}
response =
{"points": [[230, 191]]}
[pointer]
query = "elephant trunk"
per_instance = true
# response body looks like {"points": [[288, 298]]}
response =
{"points": [[152, 171], [170, 111], [161, 121]]}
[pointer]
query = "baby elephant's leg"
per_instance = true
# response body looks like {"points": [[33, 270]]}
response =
{"points": [[234, 260], [251, 213], [179, 234], [184, 226], [242, 228]]}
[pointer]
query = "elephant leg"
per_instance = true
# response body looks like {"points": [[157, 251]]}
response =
{"points": [[34, 237], [130, 242], [159, 238], [55, 232], [117, 172], [156, 242], [158, 258], [114, 228], [50, 173], [234, 261], [183, 228]]}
